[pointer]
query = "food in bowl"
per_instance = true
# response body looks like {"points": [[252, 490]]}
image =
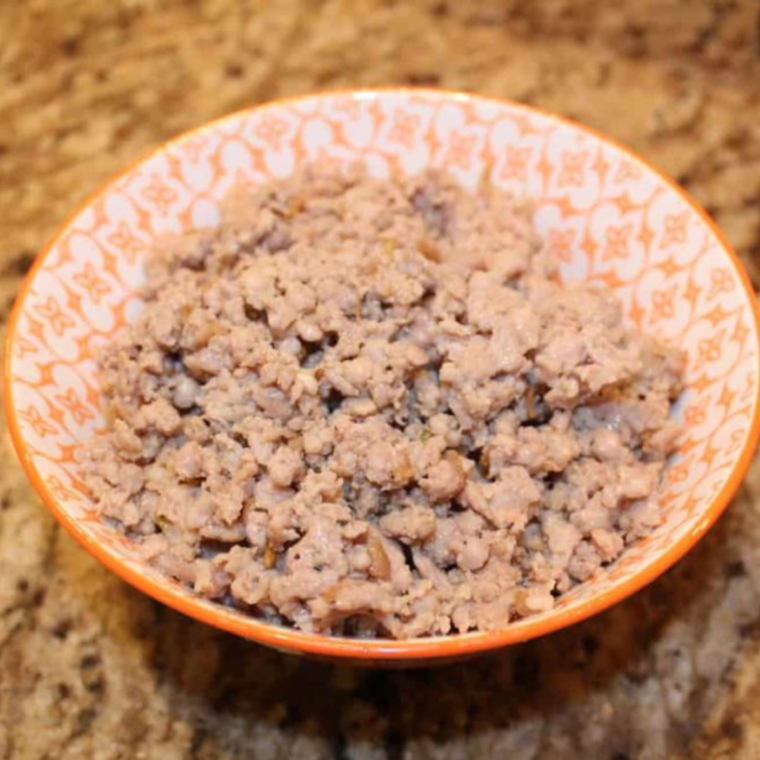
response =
{"points": [[367, 407]]}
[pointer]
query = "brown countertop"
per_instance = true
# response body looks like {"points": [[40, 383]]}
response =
{"points": [[89, 668]]}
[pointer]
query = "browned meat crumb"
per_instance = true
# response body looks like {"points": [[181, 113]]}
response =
{"points": [[367, 407]]}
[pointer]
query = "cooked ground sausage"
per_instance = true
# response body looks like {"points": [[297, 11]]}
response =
{"points": [[369, 408]]}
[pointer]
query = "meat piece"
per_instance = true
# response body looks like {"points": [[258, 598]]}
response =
{"points": [[506, 502], [411, 524], [445, 479], [285, 466]]}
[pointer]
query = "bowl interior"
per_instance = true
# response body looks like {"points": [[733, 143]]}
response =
{"points": [[607, 216]]}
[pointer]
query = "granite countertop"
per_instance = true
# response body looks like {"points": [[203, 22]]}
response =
{"points": [[89, 668]]}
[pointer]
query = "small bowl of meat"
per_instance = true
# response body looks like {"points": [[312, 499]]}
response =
{"points": [[392, 376]]}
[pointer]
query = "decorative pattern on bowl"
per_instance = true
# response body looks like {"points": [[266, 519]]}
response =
{"points": [[607, 216]]}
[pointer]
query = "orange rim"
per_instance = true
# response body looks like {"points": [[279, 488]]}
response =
{"points": [[416, 649]]}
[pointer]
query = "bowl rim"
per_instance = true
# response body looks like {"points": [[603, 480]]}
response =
{"points": [[432, 648]]}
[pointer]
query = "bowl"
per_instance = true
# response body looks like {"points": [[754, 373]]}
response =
{"points": [[607, 215]]}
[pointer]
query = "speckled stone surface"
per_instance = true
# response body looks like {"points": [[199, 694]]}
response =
{"points": [[91, 669]]}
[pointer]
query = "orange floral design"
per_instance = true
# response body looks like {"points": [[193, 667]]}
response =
{"points": [[662, 304], [525, 126], [348, 107], [79, 412], [573, 166], [720, 282], [675, 228], [740, 333], [627, 170], [37, 422], [678, 472], [159, 194], [646, 236], [60, 490], [612, 281], [95, 287], [624, 204], [699, 384], [47, 373], [123, 239], [461, 146], [144, 221], [727, 397], [194, 147], [588, 245], [271, 131], [668, 267], [544, 168], [65, 254], [710, 349], [73, 300], [515, 164], [696, 414], [750, 384], [56, 414], [23, 346], [560, 243], [68, 452], [616, 242], [689, 504], [717, 315], [600, 165], [692, 292], [566, 208], [404, 128], [176, 167], [685, 446], [35, 328], [636, 314], [58, 319], [735, 441]]}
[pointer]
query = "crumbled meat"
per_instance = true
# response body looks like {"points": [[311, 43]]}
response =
{"points": [[364, 405]]}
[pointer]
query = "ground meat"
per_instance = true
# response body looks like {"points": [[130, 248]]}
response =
{"points": [[368, 408]]}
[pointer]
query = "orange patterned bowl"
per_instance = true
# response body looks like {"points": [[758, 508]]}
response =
{"points": [[608, 216]]}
